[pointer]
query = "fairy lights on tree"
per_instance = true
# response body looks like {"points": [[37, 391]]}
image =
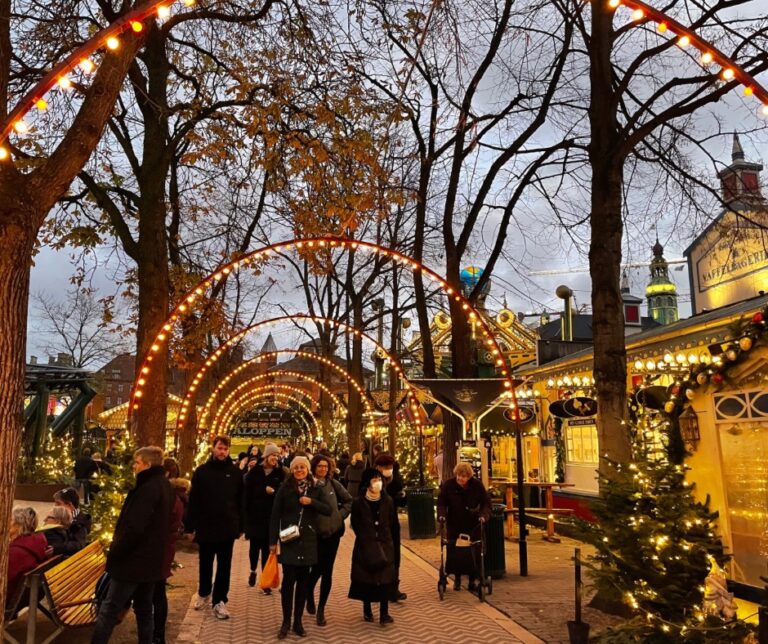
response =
{"points": [[80, 63], [108, 501], [655, 548]]}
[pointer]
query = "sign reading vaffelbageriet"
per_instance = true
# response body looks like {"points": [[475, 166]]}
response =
{"points": [[728, 262]]}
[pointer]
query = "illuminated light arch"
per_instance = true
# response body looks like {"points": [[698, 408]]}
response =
{"points": [[269, 374], [225, 404], [730, 69], [304, 354], [252, 397], [187, 301], [287, 390], [394, 363], [106, 38]]}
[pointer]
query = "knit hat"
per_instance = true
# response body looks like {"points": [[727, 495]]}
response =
{"points": [[271, 448], [366, 477], [297, 460], [385, 459]]}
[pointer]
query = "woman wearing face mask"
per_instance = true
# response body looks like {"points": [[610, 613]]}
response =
{"points": [[330, 529], [395, 488], [297, 503], [374, 521], [463, 503]]}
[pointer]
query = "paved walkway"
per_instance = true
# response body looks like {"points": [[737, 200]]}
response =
{"points": [[543, 601], [422, 618]]}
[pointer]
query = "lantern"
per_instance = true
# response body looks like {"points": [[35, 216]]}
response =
{"points": [[689, 428]]}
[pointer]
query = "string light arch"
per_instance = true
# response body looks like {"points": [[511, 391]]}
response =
{"points": [[250, 386], [730, 71], [252, 397], [186, 304], [287, 390], [107, 39], [189, 396], [268, 354], [279, 372]]}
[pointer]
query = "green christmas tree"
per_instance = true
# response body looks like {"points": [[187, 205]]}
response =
{"points": [[107, 503], [655, 547]]}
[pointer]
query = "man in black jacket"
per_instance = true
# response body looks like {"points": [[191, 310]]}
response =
{"points": [[135, 559], [214, 519], [85, 468]]}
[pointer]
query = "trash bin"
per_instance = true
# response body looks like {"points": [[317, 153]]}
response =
{"points": [[495, 557], [421, 513]]}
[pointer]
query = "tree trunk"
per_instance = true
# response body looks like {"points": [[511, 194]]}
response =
{"points": [[610, 357], [154, 287], [152, 263], [462, 365], [355, 409], [395, 350], [17, 236]]}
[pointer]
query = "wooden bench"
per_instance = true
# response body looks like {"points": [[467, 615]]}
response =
{"points": [[18, 603], [69, 589]]}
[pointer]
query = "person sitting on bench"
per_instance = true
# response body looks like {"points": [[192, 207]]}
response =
{"points": [[27, 548]]}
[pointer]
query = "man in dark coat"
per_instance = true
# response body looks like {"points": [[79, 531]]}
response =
{"points": [[214, 518], [135, 559], [77, 533], [395, 489], [85, 467], [463, 503]]}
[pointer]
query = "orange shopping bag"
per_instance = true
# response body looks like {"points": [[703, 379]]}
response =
{"points": [[270, 576]]}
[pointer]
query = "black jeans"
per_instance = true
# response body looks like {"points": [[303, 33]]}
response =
{"points": [[222, 552], [326, 557], [118, 596], [160, 606], [295, 580], [256, 547]]}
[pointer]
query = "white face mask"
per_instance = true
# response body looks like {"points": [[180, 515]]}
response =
{"points": [[388, 473], [376, 485]]}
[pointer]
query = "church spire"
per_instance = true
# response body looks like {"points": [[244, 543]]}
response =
{"points": [[737, 152], [661, 290]]}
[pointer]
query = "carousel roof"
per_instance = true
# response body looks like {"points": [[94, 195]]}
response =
{"points": [[116, 418]]}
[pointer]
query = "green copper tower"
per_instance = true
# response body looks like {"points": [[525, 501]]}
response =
{"points": [[661, 290]]}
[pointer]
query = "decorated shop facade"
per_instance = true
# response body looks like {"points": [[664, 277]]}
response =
{"points": [[709, 373]]}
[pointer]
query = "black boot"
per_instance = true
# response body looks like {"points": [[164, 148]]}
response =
{"points": [[311, 603], [283, 632], [299, 629], [321, 616]]}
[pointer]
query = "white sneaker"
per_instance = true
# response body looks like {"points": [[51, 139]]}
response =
{"points": [[220, 611], [201, 602]]}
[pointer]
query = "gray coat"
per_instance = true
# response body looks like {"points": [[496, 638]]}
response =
{"points": [[340, 502]]}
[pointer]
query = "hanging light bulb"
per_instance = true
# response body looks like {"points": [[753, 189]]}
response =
{"points": [[87, 65], [112, 43], [728, 73], [707, 58], [684, 41]]}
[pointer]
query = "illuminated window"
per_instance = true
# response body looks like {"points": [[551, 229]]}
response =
{"points": [[581, 444]]}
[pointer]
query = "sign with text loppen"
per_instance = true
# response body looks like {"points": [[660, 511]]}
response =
{"points": [[262, 432]]}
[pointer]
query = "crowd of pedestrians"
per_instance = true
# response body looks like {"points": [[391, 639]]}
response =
{"points": [[286, 502]]}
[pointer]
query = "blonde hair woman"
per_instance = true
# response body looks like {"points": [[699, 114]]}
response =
{"points": [[27, 548]]}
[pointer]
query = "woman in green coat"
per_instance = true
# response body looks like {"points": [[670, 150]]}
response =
{"points": [[297, 503]]}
